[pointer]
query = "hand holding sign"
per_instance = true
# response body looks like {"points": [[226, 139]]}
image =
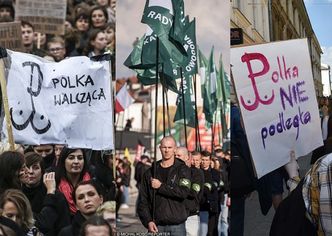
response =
{"points": [[292, 167]]}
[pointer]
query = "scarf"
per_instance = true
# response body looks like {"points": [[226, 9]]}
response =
{"points": [[67, 189]]}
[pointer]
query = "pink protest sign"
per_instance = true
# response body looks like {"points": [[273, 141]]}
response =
{"points": [[276, 94]]}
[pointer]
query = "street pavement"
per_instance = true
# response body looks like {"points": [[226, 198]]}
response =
{"points": [[129, 223], [256, 224]]}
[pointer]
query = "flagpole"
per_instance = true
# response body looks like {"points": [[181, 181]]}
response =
{"points": [[214, 129], [222, 132], [113, 94], [198, 136], [155, 129], [168, 116], [3, 53], [184, 109], [163, 91], [123, 130]]}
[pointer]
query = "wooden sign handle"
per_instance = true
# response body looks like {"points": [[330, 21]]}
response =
{"points": [[6, 106]]}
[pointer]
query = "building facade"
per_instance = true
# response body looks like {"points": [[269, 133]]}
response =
{"points": [[326, 79]]}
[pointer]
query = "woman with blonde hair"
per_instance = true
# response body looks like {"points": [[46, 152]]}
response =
{"points": [[16, 206], [107, 211]]}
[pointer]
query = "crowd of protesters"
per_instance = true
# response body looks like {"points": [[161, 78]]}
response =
{"points": [[52, 189], [41, 194], [89, 31], [191, 191]]}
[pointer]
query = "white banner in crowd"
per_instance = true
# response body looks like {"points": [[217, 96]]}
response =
{"points": [[276, 94], [68, 102]]}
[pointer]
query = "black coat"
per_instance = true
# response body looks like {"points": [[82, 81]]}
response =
{"points": [[195, 195], [208, 187], [50, 211], [75, 227], [105, 178], [290, 219], [170, 197]]}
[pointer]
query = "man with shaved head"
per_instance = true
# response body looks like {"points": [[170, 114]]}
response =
{"points": [[183, 154], [170, 181]]}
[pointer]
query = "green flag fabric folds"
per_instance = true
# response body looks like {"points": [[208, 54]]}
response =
{"points": [[185, 105], [205, 88]]}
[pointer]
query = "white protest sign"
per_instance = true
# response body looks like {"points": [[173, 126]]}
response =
{"points": [[68, 102], [276, 94]]}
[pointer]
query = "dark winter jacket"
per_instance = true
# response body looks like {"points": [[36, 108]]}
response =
{"points": [[196, 191], [50, 211], [290, 218], [74, 228], [170, 197]]}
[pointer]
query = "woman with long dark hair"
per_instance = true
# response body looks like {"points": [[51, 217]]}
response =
{"points": [[49, 206], [12, 169], [72, 169], [97, 43]]}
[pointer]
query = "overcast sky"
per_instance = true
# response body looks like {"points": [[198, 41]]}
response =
{"points": [[212, 28]]}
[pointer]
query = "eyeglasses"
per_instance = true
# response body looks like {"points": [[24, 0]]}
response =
{"points": [[218, 150], [55, 49]]}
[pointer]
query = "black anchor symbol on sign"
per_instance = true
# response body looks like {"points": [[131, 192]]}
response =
{"points": [[32, 94]]}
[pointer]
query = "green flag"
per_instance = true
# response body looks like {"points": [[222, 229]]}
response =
{"points": [[203, 62], [148, 77], [227, 87], [221, 83], [134, 60], [170, 55], [159, 16], [143, 61], [212, 80], [190, 46], [179, 26], [166, 56], [204, 73], [187, 106]]}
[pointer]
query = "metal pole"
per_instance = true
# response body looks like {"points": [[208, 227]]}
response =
{"points": [[198, 136], [164, 111], [168, 116], [329, 69], [184, 109], [155, 130]]}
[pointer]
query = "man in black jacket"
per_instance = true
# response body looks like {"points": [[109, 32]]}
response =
{"points": [[209, 208], [87, 197], [196, 190], [170, 181]]}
